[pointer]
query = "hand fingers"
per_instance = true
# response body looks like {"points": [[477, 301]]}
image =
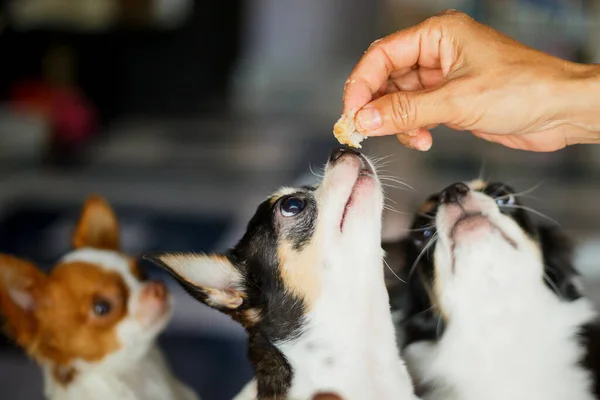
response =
{"points": [[404, 111], [400, 50], [419, 139]]}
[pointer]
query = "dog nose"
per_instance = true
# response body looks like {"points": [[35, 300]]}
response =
{"points": [[454, 193], [337, 154], [155, 290]]}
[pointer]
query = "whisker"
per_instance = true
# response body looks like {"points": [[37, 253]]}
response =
{"points": [[427, 309], [391, 200], [392, 209], [532, 211], [424, 228], [482, 170], [552, 285], [438, 329], [414, 265], [517, 195], [395, 180], [527, 191], [392, 271], [377, 160], [317, 174], [387, 185], [433, 238]]}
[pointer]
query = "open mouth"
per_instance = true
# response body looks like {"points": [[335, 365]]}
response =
{"points": [[365, 172]]}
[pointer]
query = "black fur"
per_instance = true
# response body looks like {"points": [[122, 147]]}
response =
{"points": [[273, 372], [422, 322], [590, 339], [280, 312]]}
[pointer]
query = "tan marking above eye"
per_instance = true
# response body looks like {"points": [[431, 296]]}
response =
{"points": [[282, 192], [477, 184], [427, 207]]}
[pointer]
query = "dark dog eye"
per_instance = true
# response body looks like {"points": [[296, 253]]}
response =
{"points": [[292, 206], [505, 200], [422, 237], [502, 194], [101, 307]]}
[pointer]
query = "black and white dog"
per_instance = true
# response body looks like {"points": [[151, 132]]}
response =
{"points": [[492, 308], [307, 282]]}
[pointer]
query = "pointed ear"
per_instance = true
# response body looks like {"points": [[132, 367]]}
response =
{"points": [[212, 279], [97, 227], [20, 292]]}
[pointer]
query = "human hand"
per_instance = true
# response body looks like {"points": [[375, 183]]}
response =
{"points": [[455, 71]]}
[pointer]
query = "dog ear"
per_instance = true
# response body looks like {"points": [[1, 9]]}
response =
{"points": [[21, 285], [98, 226], [212, 279], [560, 273]]}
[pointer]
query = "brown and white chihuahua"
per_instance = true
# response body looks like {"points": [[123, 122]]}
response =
{"points": [[91, 323]]}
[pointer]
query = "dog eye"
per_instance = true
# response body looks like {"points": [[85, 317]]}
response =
{"points": [[505, 200], [292, 206], [423, 236], [101, 307]]}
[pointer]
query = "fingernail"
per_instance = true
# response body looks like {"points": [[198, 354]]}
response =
{"points": [[368, 119], [423, 144]]}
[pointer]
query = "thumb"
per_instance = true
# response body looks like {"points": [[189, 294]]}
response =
{"points": [[404, 111]]}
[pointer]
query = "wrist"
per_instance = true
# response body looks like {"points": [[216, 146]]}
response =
{"points": [[580, 104]]}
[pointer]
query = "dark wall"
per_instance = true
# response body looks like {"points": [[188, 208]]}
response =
{"points": [[125, 71]]}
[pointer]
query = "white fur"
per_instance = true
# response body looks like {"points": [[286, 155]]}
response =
{"points": [[348, 345], [508, 336], [137, 371], [202, 270]]}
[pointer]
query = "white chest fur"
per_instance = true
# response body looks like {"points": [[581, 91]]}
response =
{"points": [[525, 349], [149, 379], [349, 345]]}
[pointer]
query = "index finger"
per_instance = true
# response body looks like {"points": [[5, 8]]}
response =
{"points": [[402, 49]]}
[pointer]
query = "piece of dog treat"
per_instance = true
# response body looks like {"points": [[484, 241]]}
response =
{"points": [[345, 131]]}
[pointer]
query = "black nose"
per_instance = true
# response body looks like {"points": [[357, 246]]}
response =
{"points": [[337, 154], [454, 193]]}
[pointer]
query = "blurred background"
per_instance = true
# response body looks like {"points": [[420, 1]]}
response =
{"points": [[185, 114]]}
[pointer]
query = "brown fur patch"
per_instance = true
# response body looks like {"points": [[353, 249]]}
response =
{"points": [[17, 274], [97, 227], [427, 207], [250, 317], [136, 271], [64, 324], [300, 270], [64, 375], [477, 184]]}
